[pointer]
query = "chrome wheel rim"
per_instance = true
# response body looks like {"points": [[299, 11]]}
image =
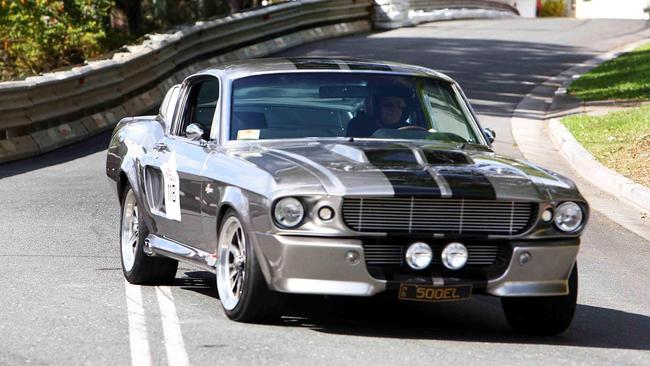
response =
{"points": [[130, 230], [231, 263]]}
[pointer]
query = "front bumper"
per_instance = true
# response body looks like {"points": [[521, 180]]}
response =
{"points": [[319, 265]]}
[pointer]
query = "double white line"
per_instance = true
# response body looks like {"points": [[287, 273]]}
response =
{"points": [[138, 337]]}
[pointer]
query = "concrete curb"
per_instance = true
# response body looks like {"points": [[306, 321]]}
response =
{"points": [[589, 167]]}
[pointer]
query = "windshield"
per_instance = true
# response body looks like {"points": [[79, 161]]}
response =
{"points": [[294, 105]]}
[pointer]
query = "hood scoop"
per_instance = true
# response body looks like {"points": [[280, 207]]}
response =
{"points": [[403, 156], [444, 157]]}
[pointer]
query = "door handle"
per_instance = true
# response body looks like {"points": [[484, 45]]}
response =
{"points": [[160, 146]]}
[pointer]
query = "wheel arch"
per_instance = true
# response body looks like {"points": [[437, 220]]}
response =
{"points": [[239, 201]]}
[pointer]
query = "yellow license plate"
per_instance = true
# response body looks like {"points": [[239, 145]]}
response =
{"points": [[434, 293]]}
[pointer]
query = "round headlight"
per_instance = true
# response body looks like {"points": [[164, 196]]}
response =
{"points": [[454, 256], [568, 216], [419, 255], [289, 212]]}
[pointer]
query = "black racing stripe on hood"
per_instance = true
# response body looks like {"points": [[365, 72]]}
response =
{"points": [[403, 171], [408, 183], [470, 184]]}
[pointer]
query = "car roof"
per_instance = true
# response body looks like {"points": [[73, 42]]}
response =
{"points": [[244, 68]]}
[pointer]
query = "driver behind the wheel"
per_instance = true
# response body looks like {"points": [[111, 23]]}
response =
{"points": [[389, 108]]}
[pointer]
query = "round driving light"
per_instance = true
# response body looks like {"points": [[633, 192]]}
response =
{"points": [[568, 216], [419, 255], [547, 215], [289, 212], [454, 256], [325, 213]]}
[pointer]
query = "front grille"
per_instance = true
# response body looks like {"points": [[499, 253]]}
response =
{"points": [[446, 216], [393, 254]]}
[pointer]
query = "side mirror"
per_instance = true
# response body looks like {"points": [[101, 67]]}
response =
{"points": [[490, 135], [194, 132]]}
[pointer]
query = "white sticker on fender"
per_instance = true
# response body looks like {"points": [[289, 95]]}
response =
{"points": [[171, 184]]}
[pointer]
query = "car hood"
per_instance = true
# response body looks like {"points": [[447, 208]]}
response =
{"points": [[407, 168]]}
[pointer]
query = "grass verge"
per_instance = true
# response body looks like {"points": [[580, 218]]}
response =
{"points": [[625, 77], [620, 140]]}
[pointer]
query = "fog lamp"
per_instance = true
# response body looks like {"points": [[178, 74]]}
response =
{"points": [[325, 213], [419, 255], [547, 215], [454, 256]]}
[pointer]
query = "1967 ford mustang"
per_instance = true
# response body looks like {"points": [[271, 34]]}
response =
{"points": [[341, 177]]}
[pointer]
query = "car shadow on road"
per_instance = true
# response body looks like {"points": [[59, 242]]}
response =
{"points": [[478, 320], [202, 282], [64, 154]]}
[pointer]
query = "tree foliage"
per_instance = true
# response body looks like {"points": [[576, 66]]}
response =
{"points": [[553, 8], [41, 35]]}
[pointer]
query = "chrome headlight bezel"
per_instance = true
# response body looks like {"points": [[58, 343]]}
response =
{"points": [[279, 212], [568, 208]]}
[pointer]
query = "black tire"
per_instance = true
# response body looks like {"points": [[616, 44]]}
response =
{"points": [[256, 302], [548, 315], [145, 270]]}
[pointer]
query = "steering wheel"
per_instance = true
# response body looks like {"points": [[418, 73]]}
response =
{"points": [[412, 127]]}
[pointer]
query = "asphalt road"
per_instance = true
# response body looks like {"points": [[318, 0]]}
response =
{"points": [[63, 299]]}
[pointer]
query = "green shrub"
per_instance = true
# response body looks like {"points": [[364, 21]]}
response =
{"points": [[41, 35], [553, 8]]}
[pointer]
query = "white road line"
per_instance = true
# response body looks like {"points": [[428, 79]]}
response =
{"points": [[174, 345], [140, 354]]}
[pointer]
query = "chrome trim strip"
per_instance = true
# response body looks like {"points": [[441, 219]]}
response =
{"points": [[155, 245]]}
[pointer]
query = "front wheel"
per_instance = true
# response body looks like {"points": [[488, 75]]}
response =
{"points": [[546, 315], [243, 292], [138, 267]]}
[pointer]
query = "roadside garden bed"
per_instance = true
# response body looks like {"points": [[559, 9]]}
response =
{"points": [[620, 140], [626, 77]]}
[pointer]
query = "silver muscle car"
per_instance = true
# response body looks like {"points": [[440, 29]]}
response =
{"points": [[341, 177]]}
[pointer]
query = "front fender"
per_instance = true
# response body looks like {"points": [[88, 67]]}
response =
{"points": [[253, 213]]}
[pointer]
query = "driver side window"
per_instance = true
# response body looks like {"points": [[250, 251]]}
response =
{"points": [[200, 106]]}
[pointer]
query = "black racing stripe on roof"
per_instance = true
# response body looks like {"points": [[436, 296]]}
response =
{"points": [[314, 64], [355, 65]]}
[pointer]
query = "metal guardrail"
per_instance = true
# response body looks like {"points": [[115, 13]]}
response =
{"points": [[388, 14], [42, 113]]}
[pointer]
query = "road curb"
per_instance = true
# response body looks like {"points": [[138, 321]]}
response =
{"points": [[589, 167]]}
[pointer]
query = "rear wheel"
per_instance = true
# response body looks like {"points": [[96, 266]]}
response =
{"points": [[138, 267], [243, 292], [547, 315]]}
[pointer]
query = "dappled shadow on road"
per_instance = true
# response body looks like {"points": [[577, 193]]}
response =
{"points": [[478, 320], [67, 153], [495, 74]]}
